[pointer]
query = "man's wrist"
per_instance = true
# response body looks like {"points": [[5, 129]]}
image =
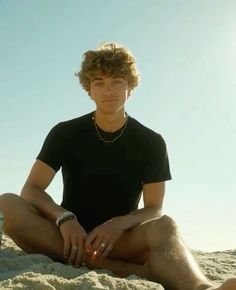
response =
{"points": [[66, 219], [128, 221], [65, 216]]}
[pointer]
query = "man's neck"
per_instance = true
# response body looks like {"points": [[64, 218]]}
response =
{"points": [[110, 122]]}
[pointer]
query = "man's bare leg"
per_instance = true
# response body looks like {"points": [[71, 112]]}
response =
{"points": [[33, 233], [169, 262], [29, 229]]}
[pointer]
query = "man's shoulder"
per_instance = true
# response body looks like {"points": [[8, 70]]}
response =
{"points": [[74, 124], [144, 131], [71, 128]]}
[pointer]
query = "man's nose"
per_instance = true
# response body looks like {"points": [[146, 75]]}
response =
{"points": [[108, 90]]}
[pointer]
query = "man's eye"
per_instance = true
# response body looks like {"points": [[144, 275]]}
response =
{"points": [[98, 84]]}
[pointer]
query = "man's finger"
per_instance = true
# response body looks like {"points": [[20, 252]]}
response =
{"points": [[84, 258], [99, 247], [107, 251], [66, 251], [80, 254], [73, 252], [91, 237]]}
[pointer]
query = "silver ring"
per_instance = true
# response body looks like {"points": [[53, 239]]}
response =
{"points": [[103, 245], [74, 248]]}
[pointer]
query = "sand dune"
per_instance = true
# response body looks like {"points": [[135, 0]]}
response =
{"points": [[38, 272]]}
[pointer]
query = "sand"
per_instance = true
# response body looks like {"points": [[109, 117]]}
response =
{"points": [[19, 270]]}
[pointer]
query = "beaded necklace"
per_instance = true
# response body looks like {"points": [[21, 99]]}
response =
{"points": [[118, 136]]}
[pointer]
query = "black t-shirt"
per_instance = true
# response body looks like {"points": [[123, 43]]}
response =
{"points": [[104, 180]]}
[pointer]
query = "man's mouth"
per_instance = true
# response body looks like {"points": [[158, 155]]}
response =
{"points": [[109, 100]]}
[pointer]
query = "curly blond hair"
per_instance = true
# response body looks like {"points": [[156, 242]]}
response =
{"points": [[109, 59]]}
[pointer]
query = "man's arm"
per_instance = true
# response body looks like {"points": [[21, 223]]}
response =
{"points": [[34, 192], [153, 196], [109, 232]]}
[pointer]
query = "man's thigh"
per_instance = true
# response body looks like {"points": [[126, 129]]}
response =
{"points": [[133, 245]]}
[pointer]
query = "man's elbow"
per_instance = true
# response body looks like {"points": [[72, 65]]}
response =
{"points": [[27, 191], [158, 211]]}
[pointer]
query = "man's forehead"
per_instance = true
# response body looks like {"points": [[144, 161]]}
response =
{"points": [[102, 77]]}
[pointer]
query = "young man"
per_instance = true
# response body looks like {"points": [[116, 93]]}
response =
{"points": [[108, 160]]}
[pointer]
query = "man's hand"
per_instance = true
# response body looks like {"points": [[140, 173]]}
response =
{"points": [[74, 237], [101, 239]]}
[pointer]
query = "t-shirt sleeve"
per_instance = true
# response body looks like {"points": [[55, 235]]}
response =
{"points": [[156, 168], [52, 150]]}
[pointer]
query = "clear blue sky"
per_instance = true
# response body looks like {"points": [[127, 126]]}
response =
{"points": [[186, 52]]}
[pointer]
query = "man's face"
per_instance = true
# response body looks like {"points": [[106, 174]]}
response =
{"points": [[110, 93]]}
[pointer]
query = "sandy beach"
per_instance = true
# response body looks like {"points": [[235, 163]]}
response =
{"points": [[19, 270]]}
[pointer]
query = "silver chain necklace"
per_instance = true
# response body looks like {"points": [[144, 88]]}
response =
{"points": [[118, 136]]}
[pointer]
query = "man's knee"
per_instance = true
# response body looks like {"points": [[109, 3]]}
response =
{"points": [[14, 209], [161, 230], [6, 200], [7, 206], [167, 225]]}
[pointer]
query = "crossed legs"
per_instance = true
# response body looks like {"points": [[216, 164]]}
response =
{"points": [[153, 249]]}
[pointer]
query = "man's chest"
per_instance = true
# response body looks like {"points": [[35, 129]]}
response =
{"points": [[105, 159]]}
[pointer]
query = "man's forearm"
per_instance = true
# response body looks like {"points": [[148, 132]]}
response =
{"points": [[141, 215], [42, 201]]}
